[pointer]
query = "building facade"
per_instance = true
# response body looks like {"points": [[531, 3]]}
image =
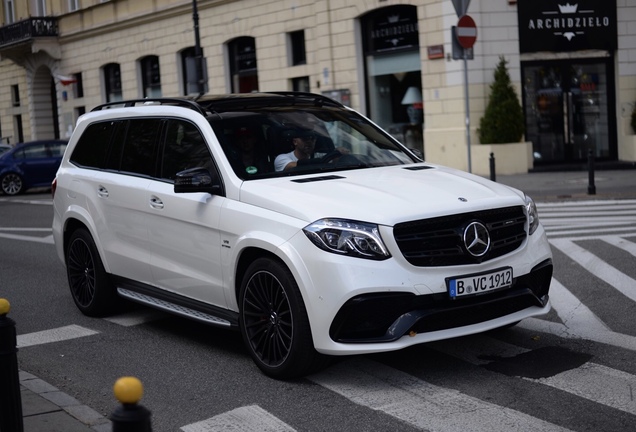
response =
{"points": [[573, 64]]}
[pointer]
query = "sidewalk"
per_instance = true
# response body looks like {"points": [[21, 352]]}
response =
{"points": [[47, 409], [573, 185]]}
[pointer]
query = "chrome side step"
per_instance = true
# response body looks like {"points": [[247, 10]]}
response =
{"points": [[172, 308]]}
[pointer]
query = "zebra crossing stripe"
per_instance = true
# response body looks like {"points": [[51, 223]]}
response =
{"points": [[621, 243], [598, 383], [54, 335], [617, 279], [578, 321], [419, 403], [245, 419], [591, 381]]}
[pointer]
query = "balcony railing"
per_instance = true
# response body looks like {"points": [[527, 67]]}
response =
{"points": [[26, 30]]}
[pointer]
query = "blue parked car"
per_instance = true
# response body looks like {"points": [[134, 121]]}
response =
{"points": [[30, 165]]}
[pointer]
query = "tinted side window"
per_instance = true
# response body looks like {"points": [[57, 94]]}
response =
{"points": [[185, 148], [92, 147], [35, 152], [140, 149]]}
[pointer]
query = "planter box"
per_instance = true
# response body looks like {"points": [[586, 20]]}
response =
{"points": [[511, 158], [448, 147]]}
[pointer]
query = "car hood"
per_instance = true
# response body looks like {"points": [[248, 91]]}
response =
{"points": [[386, 195]]}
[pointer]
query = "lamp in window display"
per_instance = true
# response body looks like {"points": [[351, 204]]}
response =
{"points": [[413, 98]]}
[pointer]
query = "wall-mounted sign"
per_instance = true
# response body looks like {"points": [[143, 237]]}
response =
{"points": [[561, 26], [391, 29], [435, 52]]}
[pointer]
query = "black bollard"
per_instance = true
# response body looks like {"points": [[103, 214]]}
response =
{"points": [[493, 176], [10, 399], [591, 188], [130, 416]]}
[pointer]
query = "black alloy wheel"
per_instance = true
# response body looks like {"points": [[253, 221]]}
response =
{"points": [[274, 322], [12, 184], [90, 285]]}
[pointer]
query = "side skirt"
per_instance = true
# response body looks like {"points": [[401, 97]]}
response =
{"points": [[176, 304]]}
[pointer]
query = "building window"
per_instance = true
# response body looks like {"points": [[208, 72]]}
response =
{"points": [[78, 86], [150, 76], [189, 76], [9, 11], [296, 43], [73, 5], [112, 82], [15, 95], [243, 67], [300, 84], [40, 8]]}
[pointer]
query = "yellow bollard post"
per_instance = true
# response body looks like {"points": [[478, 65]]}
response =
{"points": [[10, 399], [130, 416]]}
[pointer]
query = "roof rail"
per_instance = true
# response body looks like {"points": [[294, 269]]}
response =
{"points": [[317, 98], [185, 103]]}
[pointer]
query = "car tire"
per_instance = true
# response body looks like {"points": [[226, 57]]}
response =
{"points": [[12, 184], [274, 323], [91, 288]]}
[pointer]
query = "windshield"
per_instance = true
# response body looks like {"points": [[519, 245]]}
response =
{"points": [[277, 141]]}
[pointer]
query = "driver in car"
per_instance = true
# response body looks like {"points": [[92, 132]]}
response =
{"points": [[304, 141]]}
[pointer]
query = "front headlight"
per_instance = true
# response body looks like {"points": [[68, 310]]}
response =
{"points": [[533, 215], [345, 237]]}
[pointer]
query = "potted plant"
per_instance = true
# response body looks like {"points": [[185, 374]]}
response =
{"points": [[503, 120], [502, 126]]}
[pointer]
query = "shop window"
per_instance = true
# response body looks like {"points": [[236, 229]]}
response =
{"points": [[112, 82], [150, 76], [243, 67], [73, 5], [393, 83], [296, 41], [300, 84], [15, 95]]}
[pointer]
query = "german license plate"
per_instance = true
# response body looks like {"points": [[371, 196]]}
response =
{"points": [[479, 283]]}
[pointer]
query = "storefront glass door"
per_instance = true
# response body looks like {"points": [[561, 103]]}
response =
{"points": [[566, 106]]}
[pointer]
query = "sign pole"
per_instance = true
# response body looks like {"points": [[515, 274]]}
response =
{"points": [[467, 108], [466, 33]]}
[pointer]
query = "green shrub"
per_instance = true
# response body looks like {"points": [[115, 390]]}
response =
{"points": [[503, 120]]}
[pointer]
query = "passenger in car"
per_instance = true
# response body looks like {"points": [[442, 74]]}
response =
{"points": [[247, 152]]}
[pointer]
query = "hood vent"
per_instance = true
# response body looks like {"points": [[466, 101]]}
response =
{"points": [[316, 179]]}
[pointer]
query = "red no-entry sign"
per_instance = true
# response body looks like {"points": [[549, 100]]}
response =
{"points": [[466, 31]]}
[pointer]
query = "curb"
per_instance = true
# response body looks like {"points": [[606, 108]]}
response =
{"points": [[46, 408]]}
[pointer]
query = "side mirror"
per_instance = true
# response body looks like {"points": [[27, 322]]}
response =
{"points": [[197, 180]]}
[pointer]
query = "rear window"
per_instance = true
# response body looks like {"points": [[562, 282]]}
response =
{"points": [[92, 148]]}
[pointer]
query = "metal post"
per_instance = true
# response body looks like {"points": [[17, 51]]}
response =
{"points": [[591, 188], [198, 56], [130, 416], [467, 107], [493, 175], [10, 398]]}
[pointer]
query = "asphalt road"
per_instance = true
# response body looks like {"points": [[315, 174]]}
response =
{"points": [[571, 369]]}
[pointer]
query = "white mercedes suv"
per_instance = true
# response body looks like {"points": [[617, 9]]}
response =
{"points": [[347, 244]]}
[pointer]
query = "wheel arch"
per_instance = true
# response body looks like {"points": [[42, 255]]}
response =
{"points": [[72, 224]]}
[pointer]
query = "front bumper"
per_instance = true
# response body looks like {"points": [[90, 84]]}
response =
{"points": [[386, 317]]}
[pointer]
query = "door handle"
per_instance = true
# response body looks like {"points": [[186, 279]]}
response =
{"points": [[102, 192], [156, 203]]}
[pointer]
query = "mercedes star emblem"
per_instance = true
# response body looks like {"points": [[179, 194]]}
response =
{"points": [[476, 239]]}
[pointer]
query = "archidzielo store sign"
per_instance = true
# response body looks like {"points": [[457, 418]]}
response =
{"points": [[558, 26]]}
